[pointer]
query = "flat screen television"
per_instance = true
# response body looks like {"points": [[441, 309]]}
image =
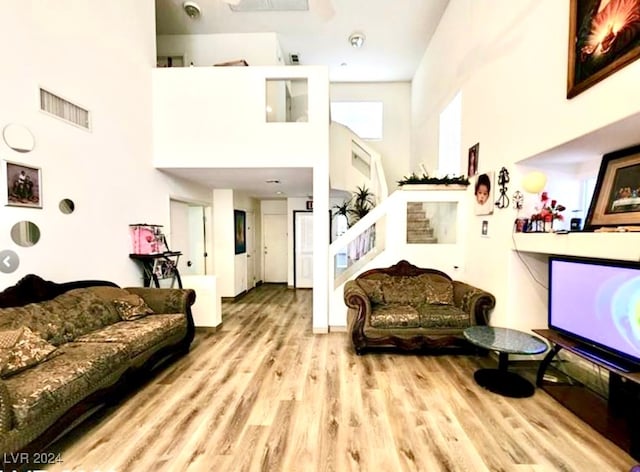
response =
{"points": [[597, 303]]}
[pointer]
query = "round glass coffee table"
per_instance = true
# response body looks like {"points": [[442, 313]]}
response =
{"points": [[505, 341]]}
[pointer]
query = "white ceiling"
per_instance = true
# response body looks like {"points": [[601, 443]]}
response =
{"points": [[397, 33], [294, 182]]}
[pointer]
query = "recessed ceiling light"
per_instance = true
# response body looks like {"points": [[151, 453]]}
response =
{"points": [[357, 40], [279, 192]]}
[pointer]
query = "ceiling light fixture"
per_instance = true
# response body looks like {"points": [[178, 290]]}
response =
{"points": [[191, 9], [272, 181], [357, 40]]}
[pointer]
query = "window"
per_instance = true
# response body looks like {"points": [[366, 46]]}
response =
{"points": [[287, 100], [449, 153], [363, 118]]}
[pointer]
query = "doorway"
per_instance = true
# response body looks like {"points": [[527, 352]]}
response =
{"points": [[274, 230], [302, 249], [188, 235]]}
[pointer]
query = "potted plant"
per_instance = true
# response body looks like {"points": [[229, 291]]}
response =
{"points": [[362, 201]]}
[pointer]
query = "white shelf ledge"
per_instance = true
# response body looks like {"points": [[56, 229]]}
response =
{"points": [[621, 246]]}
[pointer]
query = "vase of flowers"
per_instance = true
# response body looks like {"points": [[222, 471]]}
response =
{"points": [[550, 213]]}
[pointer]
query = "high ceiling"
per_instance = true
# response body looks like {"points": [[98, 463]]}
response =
{"points": [[397, 32]]}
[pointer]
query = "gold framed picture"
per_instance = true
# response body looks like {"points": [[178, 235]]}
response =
{"points": [[616, 198], [604, 36]]}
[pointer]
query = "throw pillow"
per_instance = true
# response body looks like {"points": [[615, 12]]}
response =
{"points": [[20, 349], [131, 307]]}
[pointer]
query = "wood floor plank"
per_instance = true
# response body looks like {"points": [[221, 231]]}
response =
{"points": [[264, 394]]}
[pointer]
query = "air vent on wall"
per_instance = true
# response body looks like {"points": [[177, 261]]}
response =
{"points": [[64, 109], [271, 5], [294, 59]]}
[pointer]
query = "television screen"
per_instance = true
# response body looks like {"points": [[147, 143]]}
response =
{"points": [[598, 302]]}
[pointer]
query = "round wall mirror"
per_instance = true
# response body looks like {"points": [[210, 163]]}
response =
{"points": [[25, 233], [18, 137], [66, 206]]}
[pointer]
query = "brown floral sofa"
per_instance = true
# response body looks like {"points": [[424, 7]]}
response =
{"points": [[66, 349], [410, 308]]}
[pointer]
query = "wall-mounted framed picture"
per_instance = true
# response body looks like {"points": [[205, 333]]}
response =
{"points": [[604, 36], [24, 185], [483, 193], [616, 198], [240, 231], [472, 164]]}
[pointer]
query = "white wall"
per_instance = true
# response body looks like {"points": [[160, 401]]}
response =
{"points": [[242, 201], [513, 83], [224, 257], [203, 117], [395, 145], [258, 49], [81, 52]]}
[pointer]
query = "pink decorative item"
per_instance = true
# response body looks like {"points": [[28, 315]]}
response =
{"points": [[147, 239]]}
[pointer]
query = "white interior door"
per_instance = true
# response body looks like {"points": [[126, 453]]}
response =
{"points": [[304, 249], [196, 240], [187, 236], [274, 230], [179, 234], [251, 251]]}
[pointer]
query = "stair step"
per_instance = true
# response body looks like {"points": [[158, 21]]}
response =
{"points": [[414, 206], [420, 231], [421, 240], [419, 226]]}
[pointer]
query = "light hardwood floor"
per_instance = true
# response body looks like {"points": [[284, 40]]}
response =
{"points": [[265, 394]]}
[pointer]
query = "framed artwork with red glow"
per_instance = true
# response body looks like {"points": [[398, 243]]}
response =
{"points": [[604, 36]]}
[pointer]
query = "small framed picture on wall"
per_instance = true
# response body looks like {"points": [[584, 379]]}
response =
{"points": [[483, 193], [24, 185], [472, 166]]}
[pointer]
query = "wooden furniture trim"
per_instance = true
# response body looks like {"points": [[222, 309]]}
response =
{"points": [[612, 421]]}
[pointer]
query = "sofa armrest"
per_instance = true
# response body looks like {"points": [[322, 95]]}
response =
{"points": [[169, 301], [360, 309], [166, 300], [6, 413], [473, 300]]}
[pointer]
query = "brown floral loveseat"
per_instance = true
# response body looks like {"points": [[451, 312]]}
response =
{"points": [[66, 349], [410, 308]]}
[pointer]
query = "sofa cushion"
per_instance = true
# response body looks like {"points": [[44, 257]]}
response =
{"points": [[414, 290], [65, 317], [373, 289], [141, 334], [50, 388], [438, 290], [21, 349], [442, 316], [394, 315], [131, 307]]}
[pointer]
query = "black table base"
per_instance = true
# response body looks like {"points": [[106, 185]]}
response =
{"points": [[504, 383]]}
